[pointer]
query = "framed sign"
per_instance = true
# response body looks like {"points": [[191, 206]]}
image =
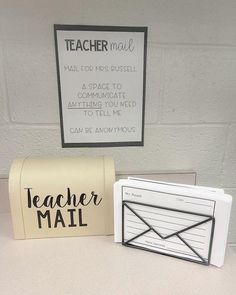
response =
{"points": [[101, 82]]}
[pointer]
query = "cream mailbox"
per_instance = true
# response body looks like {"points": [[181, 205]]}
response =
{"points": [[59, 197]]}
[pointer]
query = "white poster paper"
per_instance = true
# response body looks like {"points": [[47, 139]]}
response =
{"points": [[101, 82]]}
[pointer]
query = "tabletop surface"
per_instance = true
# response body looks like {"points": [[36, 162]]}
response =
{"points": [[97, 265]]}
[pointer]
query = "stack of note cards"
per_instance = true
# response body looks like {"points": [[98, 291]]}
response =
{"points": [[183, 221]]}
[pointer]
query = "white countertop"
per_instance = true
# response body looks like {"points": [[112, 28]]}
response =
{"points": [[96, 265]]}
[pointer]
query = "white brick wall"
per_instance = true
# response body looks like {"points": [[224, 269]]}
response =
{"points": [[191, 84]]}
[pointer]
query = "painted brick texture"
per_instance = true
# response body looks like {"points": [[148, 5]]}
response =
{"points": [[190, 120]]}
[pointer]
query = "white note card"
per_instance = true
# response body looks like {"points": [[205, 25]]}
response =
{"points": [[171, 219]]}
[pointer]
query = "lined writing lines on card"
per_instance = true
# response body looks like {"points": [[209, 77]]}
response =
{"points": [[163, 223]]}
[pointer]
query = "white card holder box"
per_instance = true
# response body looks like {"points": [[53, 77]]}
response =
{"points": [[58, 197]]}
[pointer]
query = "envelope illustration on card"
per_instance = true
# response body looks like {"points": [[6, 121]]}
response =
{"points": [[168, 231]]}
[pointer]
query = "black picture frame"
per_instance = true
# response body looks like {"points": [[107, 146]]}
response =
{"points": [[65, 27]]}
